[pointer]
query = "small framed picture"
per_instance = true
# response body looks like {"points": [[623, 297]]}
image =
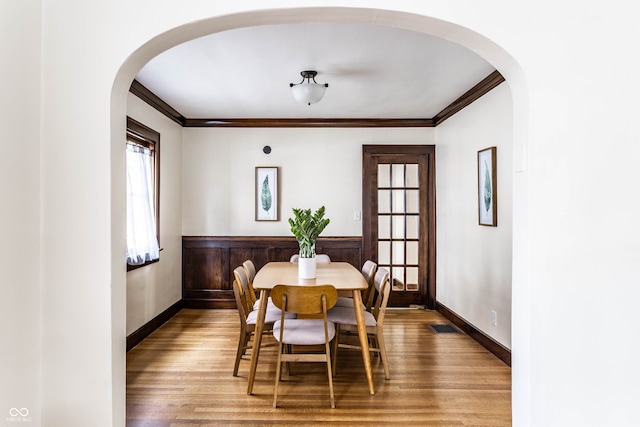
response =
{"points": [[487, 188], [266, 193]]}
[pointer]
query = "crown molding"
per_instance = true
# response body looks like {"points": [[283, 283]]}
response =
{"points": [[480, 89]]}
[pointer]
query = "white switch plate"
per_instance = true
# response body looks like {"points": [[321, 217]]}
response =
{"points": [[357, 216]]}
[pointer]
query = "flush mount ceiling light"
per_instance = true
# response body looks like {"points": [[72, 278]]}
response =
{"points": [[308, 91]]}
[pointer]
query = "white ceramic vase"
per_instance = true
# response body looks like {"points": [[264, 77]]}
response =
{"points": [[307, 268]]}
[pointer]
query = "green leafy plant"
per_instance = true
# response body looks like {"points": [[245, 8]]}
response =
{"points": [[306, 227], [266, 194]]}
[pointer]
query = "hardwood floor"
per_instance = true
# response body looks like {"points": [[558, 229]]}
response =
{"points": [[181, 376]]}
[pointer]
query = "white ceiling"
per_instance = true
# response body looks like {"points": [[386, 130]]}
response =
{"points": [[372, 72]]}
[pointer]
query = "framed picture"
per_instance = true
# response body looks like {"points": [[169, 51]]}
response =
{"points": [[487, 187], [266, 193]]}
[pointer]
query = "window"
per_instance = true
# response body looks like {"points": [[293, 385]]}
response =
{"points": [[142, 159]]}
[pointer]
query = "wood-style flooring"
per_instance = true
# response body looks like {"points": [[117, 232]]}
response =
{"points": [[181, 376]]}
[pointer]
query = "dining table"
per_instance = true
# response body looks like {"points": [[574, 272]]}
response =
{"points": [[342, 275]]}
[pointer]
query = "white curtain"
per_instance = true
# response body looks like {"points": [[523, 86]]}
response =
{"points": [[142, 242]]}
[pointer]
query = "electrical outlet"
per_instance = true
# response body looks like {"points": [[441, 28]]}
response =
{"points": [[494, 318]]}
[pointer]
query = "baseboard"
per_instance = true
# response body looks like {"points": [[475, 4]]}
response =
{"points": [[492, 346], [147, 329]]}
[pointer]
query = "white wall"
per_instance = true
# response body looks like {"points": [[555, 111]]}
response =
{"points": [[573, 76], [317, 167], [473, 261], [154, 288], [20, 230]]}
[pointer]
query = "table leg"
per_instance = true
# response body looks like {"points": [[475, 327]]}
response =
{"points": [[364, 342], [257, 339]]}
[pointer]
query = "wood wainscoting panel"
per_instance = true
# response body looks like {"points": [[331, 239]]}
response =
{"points": [[208, 262]]}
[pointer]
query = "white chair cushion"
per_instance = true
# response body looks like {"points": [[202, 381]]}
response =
{"points": [[347, 316], [303, 331], [345, 302], [272, 315], [269, 304]]}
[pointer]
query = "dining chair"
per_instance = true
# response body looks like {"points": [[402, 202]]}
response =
{"points": [[345, 320], [368, 271], [248, 317], [247, 325], [310, 328]]}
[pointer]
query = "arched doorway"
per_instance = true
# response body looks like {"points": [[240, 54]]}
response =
{"points": [[189, 31]]}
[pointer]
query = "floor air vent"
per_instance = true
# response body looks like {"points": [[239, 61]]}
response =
{"points": [[443, 329]]}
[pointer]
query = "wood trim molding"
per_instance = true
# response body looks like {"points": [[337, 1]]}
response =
{"points": [[492, 346], [473, 94], [153, 100], [308, 123], [148, 328], [488, 83]]}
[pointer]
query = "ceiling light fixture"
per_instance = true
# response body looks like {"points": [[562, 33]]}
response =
{"points": [[308, 92]]}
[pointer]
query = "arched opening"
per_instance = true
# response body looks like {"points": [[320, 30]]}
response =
{"points": [[473, 41]]}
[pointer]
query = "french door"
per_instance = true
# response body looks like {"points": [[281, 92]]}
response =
{"points": [[398, 213]]}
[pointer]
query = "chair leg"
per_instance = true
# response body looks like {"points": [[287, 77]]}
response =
{"points": [[383, 354], [278, 373], [242, 347], [336, 341], [327, 350]]}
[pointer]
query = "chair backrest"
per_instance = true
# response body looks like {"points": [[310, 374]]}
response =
{"points": [[319, 258], [382, 286], [368, 270], [305, 300], [250, 269], [242, 279], [240, 302]]}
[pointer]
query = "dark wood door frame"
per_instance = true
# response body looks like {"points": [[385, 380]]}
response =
{"points": [[427, 262]]}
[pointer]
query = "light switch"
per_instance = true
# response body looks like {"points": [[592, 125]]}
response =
{"points": [[357, 216]]}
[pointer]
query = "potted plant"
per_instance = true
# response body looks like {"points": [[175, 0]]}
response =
{"points": [[306, 227]]}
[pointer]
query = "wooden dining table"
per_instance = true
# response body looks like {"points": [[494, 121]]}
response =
{"points": [[342, 275]]}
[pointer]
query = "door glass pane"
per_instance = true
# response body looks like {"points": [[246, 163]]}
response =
{"points": [[398, 252], [398, 201], [384, 252], [412, 253], [384, 227], [412, 176], [412, 279], [398, 227], [383, 175], [397, 178], [413, 227], [413, 201], [397, 275], [384, 203]]}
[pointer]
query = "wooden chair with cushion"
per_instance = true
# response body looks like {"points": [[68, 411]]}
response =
{"points": [[248, 318], [345, 321], [368, 271], [311, 327]]}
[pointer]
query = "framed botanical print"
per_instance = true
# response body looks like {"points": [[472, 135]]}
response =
{"points": [[266, 193], [487, 187]]}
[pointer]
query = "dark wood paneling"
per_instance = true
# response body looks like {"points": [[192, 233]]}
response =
{"points": [[208, 262]]}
